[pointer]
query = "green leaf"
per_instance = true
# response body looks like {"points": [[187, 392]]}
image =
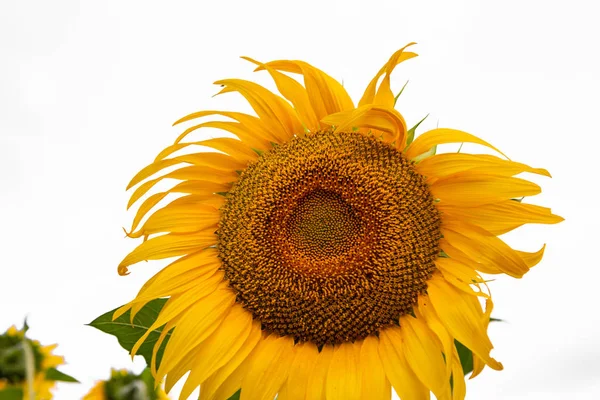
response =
{"points": [[128, 333], [466, 357], [410, 135], [11, 394], [52, 374], [235, 396]]}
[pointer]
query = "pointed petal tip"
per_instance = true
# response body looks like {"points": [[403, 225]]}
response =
{"points": [[253, 61], [180, 120], [129, 186]]}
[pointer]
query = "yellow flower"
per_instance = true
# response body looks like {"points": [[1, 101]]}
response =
{"points": [[13, 369], [324, 254], [124, 385]]}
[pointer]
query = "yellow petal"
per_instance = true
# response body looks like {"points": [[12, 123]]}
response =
{"points": [[219, 348], [205, 261], [461, 314], [204, 188], [400, 374], [478, 366], [446, 164], [531, 259], [343, 377], [269, 368], [198, 280], [316, 380], [459, 388], [213, 200], [502, 217], [248, 128], [424, 355], [179, 370], [464, 189], [214, 183], [215, 386], [145, 208], [461, 257], [304, 362], [484, 248], [460, 275], [375, 385], [429, 139], [278, 114], [384, 92], [295, 93], [179, 219], [199, 322], [326, 95], [170, 245], [173, 308], [212, 160], [233, 147], [427, 313], [387, 120]]}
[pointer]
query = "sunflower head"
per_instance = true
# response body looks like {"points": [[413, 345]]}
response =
{"points": [[322, 253], [16, 352], [125, 385], [322, 222]]}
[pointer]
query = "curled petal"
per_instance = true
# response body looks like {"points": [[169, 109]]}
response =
{"points": [[426, 141], [384, 119]]}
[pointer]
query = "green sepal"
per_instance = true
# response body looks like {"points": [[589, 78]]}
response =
{"points": [[52, 374], [236, 395], [410, 135], [423, 156], [128, 333], [12, 393], [398, 95], [25, 326]]}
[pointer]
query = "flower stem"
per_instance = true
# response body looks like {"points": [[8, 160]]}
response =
{"points": [[29, 367]]}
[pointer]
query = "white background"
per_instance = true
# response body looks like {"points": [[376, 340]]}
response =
{"points": [[88, 91]]}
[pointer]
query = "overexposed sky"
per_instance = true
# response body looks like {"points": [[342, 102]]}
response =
{"points": [[89, 89]]}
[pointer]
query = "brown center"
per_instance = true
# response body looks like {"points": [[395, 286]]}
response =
{"points": [[329, 237]]}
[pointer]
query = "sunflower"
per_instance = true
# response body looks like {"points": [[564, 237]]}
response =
{"points": [[14, 347], [125, 385], [322, 252]]}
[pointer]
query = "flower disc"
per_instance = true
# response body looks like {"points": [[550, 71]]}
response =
{"points": [[329, 237]]}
